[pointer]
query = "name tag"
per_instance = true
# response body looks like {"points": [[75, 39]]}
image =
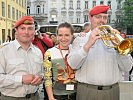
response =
{"points": [[70, 87]]}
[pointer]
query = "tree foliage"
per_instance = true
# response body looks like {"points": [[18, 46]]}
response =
{"points": [[126, 18]]}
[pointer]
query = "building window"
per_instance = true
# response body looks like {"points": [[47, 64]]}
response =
{"points": [[19, 14], [53, 4], [109, 4], [78, 4], [38, 9], [63, 17], [118, 6], [71, 17], [22, 14], [118, 18], [22, 3], [86, 18], [16, 14], [3, 35], [78, 20], [43, 9], [53, 18], [3, 9], [9, 32], [28, 10], [71, 4], [9, 11], [16, 1], [101, 2], [19, 2], [86, 4], [25, 3], [13, 13], [63, 4], [78, 17], [94, 3]]}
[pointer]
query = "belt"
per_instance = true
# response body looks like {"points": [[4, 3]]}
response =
{"points": [[27, 96], [98, 87]]}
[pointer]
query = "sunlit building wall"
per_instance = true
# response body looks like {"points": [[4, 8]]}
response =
{"points": [[10, 12]]}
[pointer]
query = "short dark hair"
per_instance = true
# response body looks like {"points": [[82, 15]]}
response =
{"points": [[86, 24], [52, 34], [67, 25]]}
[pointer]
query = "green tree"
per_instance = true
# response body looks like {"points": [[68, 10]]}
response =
{"points": [[126, 18]]}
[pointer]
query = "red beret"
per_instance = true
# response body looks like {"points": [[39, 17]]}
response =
{"points": [[99, 9], [24, 20]]}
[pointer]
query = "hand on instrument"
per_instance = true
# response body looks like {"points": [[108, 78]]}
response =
{"points": [[94, 35]]}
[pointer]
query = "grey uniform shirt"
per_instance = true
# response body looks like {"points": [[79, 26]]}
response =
{"points": [[100, 66], [15, 62]]}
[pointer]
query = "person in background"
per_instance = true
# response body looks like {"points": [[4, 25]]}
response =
{"points": [[48, 34], [123, 35], [125, 74], [21, 64], [42, 42], [86, 30], [81, 35], [53, 38], [86, 27], [98, 67], [13, 34], [60, 81], [8, 39]]}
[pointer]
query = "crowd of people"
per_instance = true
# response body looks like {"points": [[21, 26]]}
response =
{"points": [[80, 68]]}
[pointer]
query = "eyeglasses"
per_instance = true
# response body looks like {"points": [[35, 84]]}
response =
{"points": [[100, 17]]}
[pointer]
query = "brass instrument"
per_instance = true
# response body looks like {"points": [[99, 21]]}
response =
{"points": [[114, 40]]}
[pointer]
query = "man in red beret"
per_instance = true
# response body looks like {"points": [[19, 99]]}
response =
{"points": [[24, 20], [98, 67], [21, 64]]}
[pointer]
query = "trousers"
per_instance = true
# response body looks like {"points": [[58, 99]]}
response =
{"points": [[33, 96], [94, 92]]}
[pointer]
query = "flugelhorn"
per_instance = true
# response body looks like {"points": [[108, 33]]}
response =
{"points": [[114, 40]]}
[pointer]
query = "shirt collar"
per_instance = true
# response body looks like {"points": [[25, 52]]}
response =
{"points": [[19, 46]]}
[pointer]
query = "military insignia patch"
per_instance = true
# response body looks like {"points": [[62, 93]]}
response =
{"points": [[26, 22]]}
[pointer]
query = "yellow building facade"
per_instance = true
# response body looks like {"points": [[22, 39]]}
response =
{"points": [[10, 12]]}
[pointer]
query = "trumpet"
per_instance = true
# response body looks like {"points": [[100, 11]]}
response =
{"points": [[114, 40]]}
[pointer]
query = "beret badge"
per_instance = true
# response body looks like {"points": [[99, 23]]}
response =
{"points": [[26, 22]]}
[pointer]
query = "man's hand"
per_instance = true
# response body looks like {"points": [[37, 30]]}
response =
{"points": [[94, 35], [40, 35], [37, 80], [27, 79], [114, 39]]}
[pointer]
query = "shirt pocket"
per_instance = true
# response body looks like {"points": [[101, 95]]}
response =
{"points": [[16, 62]]}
